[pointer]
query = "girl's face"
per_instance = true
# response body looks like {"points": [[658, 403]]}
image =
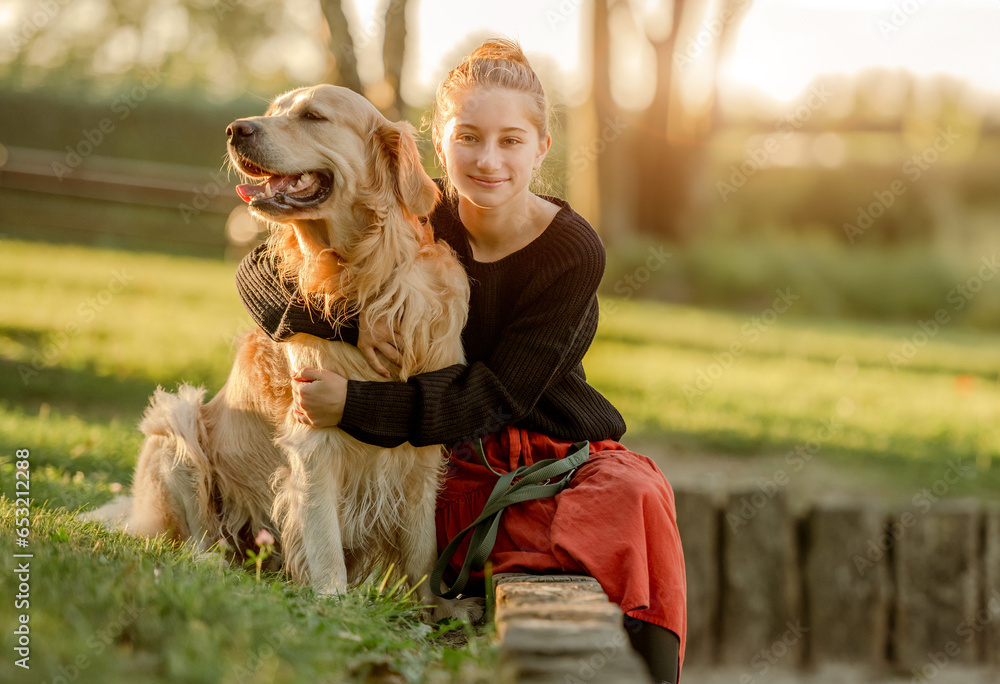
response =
{"points": [[490, 146]]}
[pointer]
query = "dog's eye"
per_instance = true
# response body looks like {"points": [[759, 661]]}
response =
{"points": [[313, 116]]}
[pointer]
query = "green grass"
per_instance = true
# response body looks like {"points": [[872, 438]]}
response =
{"points": [[79, 357], [80, 353], [111, 608], [666, 368]]}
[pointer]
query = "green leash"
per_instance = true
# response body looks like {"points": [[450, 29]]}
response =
{"points": [[536, 481]]}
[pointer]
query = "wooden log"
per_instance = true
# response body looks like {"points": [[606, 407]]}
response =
{"points": [[991, 584], [847, 595], [761, 619], [698, 517], [936, 559]]}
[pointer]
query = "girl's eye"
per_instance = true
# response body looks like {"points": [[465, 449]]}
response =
{"points": [[512, 141], [313, 116], [465, 137]]}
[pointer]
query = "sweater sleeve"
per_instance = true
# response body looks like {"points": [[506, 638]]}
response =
{"points": [[278, 313], [546, 340]]}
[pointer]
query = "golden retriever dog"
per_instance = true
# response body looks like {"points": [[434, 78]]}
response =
{"points": [[345, 191]]}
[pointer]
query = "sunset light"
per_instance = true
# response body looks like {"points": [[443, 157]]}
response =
{"points": [[705, 292], [783, 44]]}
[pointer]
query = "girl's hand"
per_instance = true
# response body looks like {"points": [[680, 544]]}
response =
{"points": [[318, 397], [378, 339]]}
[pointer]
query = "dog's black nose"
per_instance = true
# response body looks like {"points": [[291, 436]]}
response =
{"points": [[241, 128]]}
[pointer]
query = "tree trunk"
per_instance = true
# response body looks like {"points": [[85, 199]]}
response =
{"points": [[733, 12], [393, 51], [674, 141], [342, 68], [663, 182], [608, 148]]}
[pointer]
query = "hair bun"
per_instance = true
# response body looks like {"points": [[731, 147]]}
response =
{"points": [[500, 49]]}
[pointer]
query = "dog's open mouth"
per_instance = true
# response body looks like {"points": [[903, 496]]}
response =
{"points": [[284, 191]]}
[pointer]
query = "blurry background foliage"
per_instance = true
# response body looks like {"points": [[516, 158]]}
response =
{"points": [[872, 194]]}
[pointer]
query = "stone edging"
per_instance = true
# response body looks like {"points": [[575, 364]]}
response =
{"points": [[561, 628], [914, 590]]}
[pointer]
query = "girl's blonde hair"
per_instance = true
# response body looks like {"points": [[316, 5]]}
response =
{"points": [[497, 63]]}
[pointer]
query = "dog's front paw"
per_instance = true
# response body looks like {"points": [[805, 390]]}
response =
{"points": [[331, 590], [466, 609], [113, 516]]}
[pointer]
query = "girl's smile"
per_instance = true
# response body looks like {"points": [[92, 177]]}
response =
{"points": [[488, 182]]}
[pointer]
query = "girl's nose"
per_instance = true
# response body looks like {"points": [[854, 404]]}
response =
{"points": [[489, 159]]}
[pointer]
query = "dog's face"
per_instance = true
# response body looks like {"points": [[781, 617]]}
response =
{"points": [[317, 152]]}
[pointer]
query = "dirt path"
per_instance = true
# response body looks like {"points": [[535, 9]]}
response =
{"points": [[837, 675], [805, 478]]}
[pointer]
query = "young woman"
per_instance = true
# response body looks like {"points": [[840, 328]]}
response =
{"points": [[534, 265]]}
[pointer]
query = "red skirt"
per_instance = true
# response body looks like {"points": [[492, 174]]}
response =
{"points": [[615, 521]]}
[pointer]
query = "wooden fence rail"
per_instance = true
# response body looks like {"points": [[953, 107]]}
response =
{"points": [[51, 195]]}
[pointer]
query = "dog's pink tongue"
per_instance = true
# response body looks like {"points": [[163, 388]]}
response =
{"points": [[274, 184], [247, 191]]}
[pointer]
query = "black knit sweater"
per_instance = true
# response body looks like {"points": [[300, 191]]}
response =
{"points": [[532, 317]]}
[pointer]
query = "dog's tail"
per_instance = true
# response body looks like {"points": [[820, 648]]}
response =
{"points": [[172, 489]]}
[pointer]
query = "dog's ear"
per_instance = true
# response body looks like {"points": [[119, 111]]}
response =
{"points": [[397, 166]]}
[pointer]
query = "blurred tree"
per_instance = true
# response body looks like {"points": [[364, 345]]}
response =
{"points": [[225, 48], [393, 52], [342, 67], [732, 14], [663, 181], [92, 48], [616, 215], [645, 174]]}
